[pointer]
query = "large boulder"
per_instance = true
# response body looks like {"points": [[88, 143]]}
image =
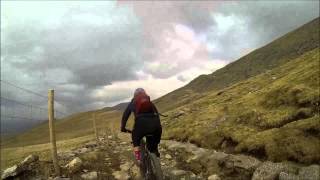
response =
{"points": [[214, 162], [240, 166], [21, 167], [30, 159], [127, 170], [11, 172], [74, 165], [243, 162], [214, 177], [219, 156], [207, 162]]}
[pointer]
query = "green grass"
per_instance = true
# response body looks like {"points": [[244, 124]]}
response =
{"points": [[77, 125], [14, 155], [260, 116]]}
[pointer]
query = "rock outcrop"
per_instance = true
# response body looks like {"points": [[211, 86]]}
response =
{"points": [[19, 168], [219, 165], [74, 165]]}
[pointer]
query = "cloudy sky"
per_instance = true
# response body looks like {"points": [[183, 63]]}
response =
{"points": [[95, 53]]}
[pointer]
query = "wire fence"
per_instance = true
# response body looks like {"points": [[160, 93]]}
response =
{"points": [[25, 122], [22, 109]]}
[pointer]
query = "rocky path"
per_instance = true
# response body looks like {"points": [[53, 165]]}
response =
{"points": [[211, 164], [112, 158]]}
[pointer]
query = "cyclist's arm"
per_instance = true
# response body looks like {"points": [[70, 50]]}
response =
{"points": [[125, 116], [155, 109]]}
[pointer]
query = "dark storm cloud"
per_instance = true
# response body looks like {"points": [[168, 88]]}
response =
{"points": [[196, 14], [272, 19], [96, 55], [259, 22]]}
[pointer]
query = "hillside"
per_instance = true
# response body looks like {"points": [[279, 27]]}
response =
{"points": [[76, 125], [274, 54], [274, 115], [118, 107], [265, 104]]}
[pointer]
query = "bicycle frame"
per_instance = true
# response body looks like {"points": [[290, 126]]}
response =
{"points": [[150, 167], [145, 158]]}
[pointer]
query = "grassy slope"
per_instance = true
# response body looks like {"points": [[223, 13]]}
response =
{"points": [[272, 55], [11, 156], [71, 127], [273, 115]]}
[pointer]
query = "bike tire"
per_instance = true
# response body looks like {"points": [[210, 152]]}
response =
{"points": [[156, 167], [143, 166]]}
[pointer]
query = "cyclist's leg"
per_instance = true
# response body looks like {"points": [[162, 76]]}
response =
{"points": [[136, 138], [153, 141]]}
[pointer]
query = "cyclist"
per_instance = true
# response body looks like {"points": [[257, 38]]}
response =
{"points": [[147, 122]]}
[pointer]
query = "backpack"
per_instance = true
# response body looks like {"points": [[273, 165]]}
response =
{"points": [[143, 103]]}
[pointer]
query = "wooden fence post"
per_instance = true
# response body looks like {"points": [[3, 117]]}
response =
{"points": [[95, 127], [52, 131]]}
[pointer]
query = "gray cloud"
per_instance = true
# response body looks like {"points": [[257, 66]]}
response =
{"points": [[195, 14], [74, 56], [86, 47], [78, 54], [252, 25], [261, 22], [96, 55]]}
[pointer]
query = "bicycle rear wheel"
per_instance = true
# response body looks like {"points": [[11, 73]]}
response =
{"points": [[143, 165], [156, 166]]}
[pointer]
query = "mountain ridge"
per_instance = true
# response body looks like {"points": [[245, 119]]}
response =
{"points": [[118, 107], [275, 53]]}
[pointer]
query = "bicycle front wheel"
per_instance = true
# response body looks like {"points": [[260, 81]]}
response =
{"points": [[156, 167]]}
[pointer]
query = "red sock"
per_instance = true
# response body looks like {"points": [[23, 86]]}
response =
{"points": [[137, 155]]}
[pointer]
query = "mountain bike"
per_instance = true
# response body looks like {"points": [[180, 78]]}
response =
{"points": [[150, 166]]}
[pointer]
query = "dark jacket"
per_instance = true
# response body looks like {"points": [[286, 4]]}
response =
{"points": [[131, 108]]}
